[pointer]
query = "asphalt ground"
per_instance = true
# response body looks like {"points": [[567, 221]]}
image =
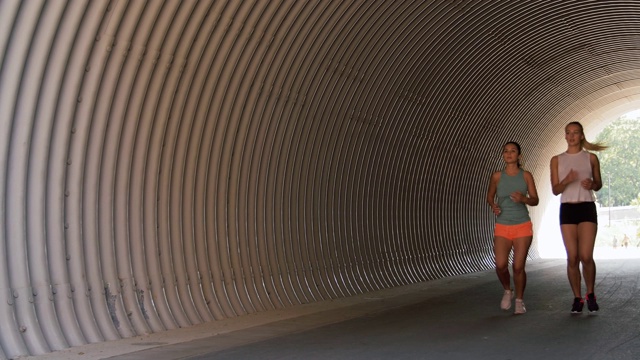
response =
{"points": [[452, 318]]}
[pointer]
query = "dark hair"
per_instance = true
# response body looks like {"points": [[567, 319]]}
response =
{"points": [[517, 147], [584, 143]]}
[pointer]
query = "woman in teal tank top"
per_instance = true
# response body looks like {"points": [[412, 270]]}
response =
{"points": [[510, 191]]}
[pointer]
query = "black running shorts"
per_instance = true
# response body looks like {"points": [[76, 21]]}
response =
{"points": [[575, 213]]}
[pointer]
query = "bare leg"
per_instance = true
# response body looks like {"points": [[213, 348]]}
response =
{"points": [[570, 238], [501, 250], [586, 242], [520, 251]]}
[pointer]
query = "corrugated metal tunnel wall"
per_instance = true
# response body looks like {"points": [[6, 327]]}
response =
{"points": [[169, 163]]}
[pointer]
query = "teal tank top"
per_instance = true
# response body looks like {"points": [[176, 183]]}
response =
{"points": [[511, 213]]}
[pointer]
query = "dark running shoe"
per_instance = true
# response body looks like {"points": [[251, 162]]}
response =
{"points": [[578, 303], [592, 305]]}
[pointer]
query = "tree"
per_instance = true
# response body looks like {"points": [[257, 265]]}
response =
{"points": [[620, 163]]}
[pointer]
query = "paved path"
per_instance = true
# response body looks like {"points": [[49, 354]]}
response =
{"points": [[453, 318]]}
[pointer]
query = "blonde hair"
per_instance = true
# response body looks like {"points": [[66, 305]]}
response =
{"points": [[584, 143]]}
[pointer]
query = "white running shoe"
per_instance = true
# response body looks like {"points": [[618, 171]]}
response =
{"points": [[520, 309], [505, 304]]}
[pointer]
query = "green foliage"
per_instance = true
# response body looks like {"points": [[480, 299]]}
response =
{"points": [[620, 163]]}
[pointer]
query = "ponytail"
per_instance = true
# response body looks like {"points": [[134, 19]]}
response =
{"points": [[592, 147]]}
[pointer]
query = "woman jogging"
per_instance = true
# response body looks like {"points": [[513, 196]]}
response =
{"points": [[510, 191], [576, 175]]}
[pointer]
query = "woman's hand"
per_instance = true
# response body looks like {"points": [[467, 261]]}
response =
{"points": [[587, 184], [518, 197], [496, 209], [571, 177]]}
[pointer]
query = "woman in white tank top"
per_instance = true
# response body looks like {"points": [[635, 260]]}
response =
{"points": [[576, 175]]}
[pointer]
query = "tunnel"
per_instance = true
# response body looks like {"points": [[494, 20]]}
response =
{"points": [[165, 164]]}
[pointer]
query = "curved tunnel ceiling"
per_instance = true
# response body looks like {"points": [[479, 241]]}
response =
{"points": [[168, 163]]}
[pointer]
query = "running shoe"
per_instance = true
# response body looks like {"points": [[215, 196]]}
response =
{"points": [[592, 305], [505, 304], [578, 303], [520, 309]]}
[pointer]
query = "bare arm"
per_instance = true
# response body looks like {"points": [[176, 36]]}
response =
{"points": [[557, 186], [532, 199], [491, 193], [596, 184], [595, 181]]}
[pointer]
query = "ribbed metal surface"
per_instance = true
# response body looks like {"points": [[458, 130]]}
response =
{"points": [[168, 163]]}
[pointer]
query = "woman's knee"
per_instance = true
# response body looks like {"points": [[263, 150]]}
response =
{"points": [[502, 266], [573, 261], [586, 259], [518, 269]]}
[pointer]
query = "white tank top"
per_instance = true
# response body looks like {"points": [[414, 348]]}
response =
{"points": [[581, 163]]}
